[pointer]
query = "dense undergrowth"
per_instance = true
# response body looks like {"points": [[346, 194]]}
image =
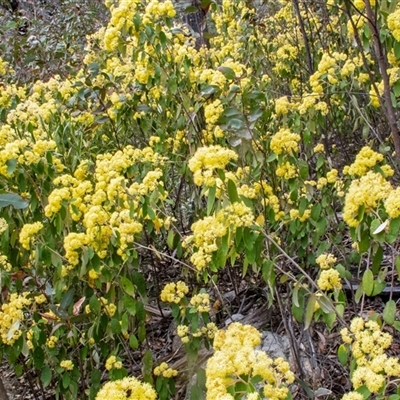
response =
{"points": [[271, 154]]}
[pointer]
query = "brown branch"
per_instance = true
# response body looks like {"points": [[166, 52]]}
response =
{"points": [[305, 38], [383, 67]]}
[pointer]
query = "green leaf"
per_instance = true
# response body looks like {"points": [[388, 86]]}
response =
{"points": [[67, 299], [127, 286], [377, 260], [94, 304], [11, 165], [45, 375], [295, 296], [211, 199], [396, 325], [232, 191], [115, 326], [133, 342], [210, 89], [309, 311], [343, 355], [389, 312], [303, 169], [66, 379], [298, 311], [140, 283], [378, 288], [12, 199], [170, 239], [130, 305], [38, 357], [147, 367], [368, 282], [229, 73]]}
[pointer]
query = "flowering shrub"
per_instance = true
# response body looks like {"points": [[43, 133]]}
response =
{"points": [[372, 368], [262, 152], [238, 369], [126, 388]]}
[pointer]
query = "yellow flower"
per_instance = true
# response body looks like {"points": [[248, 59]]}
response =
{"points": [[67, 364], [319, 148], [392, 203], [4, 264], [353, 396], [110, 309], [207, 160], [329, 279], [174, 292], [235, 356], [113, 363], [393, 21], [27, 234], [367, 191], [201, 302], [118, 390], [51, 342], [285, 141], [326, 261], [364, 376], [365, 160], [282, 106], [164, 370], [12, 316], [3, 225], [40, 299]]}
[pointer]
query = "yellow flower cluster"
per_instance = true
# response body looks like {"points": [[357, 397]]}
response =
{"points": [[4, 264], [27, 234], [367, 191], [111, 205], [295, 214], [329, 279], [208, 231], [286, 171], [393, 22], [165, 371], [12, 316], [326, 261], [236, 359], [360, 4], [126, 389], [113, 363], [3, 67], [41, 299], [201, 302], [156, 9], [67, 364], [285, 141], [368, 345], [208, 331], [319, 148], [282, 105], [72, 243], [353, 396], [3, 225], [365, 160], [51, 342], [174, 292], [392, 203], [207, 160], [212, 112], [332, 176], [121, 17]]}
